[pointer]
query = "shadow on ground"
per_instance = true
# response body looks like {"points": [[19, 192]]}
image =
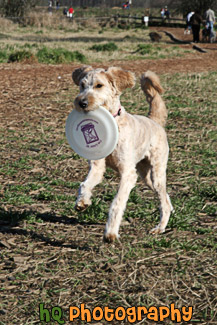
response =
{"points": [[10, 223]]}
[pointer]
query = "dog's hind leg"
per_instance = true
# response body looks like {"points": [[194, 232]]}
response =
{"points": [[127, 182], [159, 185], [94, 177]]}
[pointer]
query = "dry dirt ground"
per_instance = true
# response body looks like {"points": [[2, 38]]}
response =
{"points": [[59, 260]]}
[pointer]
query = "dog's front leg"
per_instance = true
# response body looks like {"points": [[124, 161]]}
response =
{"points": [[128, 181], [94, 177]]}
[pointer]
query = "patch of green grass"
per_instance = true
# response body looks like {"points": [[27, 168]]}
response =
{"points": [[210, 192], [30, 45], [144, 49], [154, 51], [17, 199], [60, 182], [3, 56], [19, 56], [110, 47], [59, 55], [19, 53], [97, 208]]}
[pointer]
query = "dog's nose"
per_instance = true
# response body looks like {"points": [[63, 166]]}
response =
{"points": [[83, 103]]}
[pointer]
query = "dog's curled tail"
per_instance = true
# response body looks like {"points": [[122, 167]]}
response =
{"points": [[151, 86]]}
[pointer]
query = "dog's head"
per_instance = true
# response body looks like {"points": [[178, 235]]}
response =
{"points": [[100, 87]]}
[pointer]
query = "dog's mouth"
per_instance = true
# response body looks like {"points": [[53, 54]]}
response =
{"points": [[84, 110], [87, 104]]}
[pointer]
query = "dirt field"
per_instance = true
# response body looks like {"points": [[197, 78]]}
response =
{"points": [[52, 255]]}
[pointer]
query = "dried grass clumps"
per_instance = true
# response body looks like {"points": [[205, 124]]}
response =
{"points": [[6, 24]]}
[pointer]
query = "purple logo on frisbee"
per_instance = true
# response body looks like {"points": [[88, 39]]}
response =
{"points": [[89, 133]]}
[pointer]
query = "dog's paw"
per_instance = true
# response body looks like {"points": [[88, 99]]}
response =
{"points": [[157, 230], [109, 238], [82, 205]]}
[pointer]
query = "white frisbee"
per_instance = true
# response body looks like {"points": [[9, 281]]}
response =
{"points": [[93, 135]]}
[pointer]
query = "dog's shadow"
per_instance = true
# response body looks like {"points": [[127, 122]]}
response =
{"points": [[10, 224]]}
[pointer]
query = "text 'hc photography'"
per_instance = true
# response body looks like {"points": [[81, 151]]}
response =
{"points": [[131, 314]]}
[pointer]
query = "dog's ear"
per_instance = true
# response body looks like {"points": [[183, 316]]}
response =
{"points": [[79, 73], [121, 78]]}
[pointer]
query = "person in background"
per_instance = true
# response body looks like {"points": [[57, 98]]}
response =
{"points": [[188, 23], [50, 7], [166, 13], [195, 21], [210, 19], [126, 5], [71, 12], [162, 13]]}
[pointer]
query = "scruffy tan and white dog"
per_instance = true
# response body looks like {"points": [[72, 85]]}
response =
{"points": [[142, 146]]}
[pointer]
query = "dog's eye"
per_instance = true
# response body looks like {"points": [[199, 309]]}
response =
{"points": [[98, 86], [82, 85]]}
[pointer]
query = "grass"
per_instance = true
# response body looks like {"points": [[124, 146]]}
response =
{"points": [[53, 255], [73, 43], [19, 56], [154, 52], [42, 55], [59, 55], [104, 47]]}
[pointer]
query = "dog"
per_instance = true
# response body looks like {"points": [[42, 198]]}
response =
{"points": [[208, 35], [155, 37], [142, 146]]}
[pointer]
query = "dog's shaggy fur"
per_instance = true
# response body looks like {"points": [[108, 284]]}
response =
{"points": [[155, 37], [142, 146], [208, 36]]}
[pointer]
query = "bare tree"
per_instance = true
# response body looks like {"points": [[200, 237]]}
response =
{"points": [[16, 8], [185, 6]]}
